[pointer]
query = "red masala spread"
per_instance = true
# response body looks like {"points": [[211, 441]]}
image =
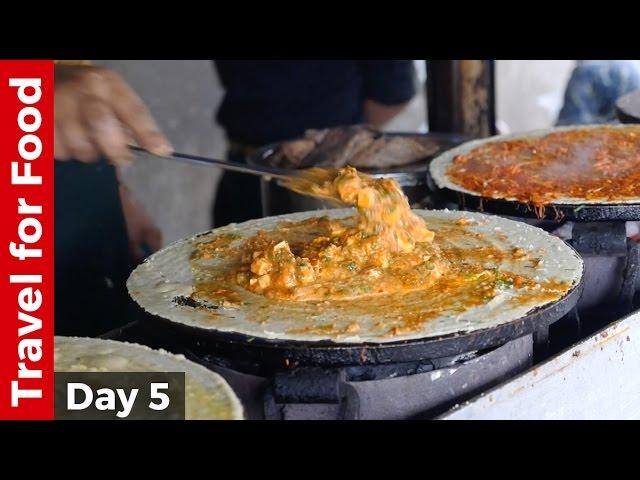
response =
{"points": [[592, 164]]}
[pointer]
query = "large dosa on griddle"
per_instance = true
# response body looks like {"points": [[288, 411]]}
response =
{"points": [[170, 285]]}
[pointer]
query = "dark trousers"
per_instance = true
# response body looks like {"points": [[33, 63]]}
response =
{"points": [[92, 259], [238, 196]]}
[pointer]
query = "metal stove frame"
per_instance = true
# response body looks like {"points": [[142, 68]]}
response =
{"points": [[417, 389]]}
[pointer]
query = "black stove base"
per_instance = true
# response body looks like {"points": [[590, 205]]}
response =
{"points": [[423, 389], [420, 395]]}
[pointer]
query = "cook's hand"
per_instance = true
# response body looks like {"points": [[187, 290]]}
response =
{"points": [[140, 227], [97, 113]]}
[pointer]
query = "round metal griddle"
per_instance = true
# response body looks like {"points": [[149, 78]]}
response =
{"points": [[264, 356], [552, 211], [587, 212]]}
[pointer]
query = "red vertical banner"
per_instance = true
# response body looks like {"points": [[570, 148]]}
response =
{"points": [[26, 239]]}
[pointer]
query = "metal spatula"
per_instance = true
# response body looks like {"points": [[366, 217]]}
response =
{"points": [[262, 171], [300, 181]]}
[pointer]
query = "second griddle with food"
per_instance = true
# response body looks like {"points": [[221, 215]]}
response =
{"points": [[585, 173]]}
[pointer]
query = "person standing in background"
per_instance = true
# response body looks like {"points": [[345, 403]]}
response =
{"points": [[594, 87], [272, 101]]}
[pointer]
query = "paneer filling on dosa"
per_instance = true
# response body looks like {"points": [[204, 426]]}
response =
{"points": [[389, 249]]}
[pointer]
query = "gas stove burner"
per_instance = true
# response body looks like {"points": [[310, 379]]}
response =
{"points": [[418, 389], [608, 240], [360, 373], [399, 391]]}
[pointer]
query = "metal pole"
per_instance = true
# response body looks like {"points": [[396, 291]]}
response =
{"points": [[461, 97]]}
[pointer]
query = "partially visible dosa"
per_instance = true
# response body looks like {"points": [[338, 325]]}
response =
{"points": [[207, 394]]}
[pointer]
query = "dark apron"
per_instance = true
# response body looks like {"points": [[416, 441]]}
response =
{"points": [[92, 259]]}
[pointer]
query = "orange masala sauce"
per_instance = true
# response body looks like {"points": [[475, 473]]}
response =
{"points": [[385, 256]]}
